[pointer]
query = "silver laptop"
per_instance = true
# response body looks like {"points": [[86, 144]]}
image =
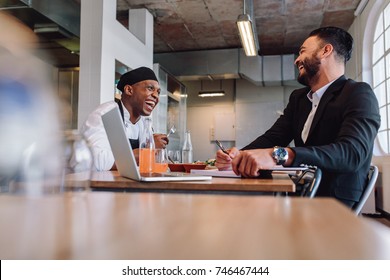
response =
{"points": [[124, 157]]}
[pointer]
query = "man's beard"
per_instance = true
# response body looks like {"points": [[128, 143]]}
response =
{"points": [[311, 68]]}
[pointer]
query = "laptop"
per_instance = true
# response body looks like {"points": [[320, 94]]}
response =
{"points": [[124, 156]]}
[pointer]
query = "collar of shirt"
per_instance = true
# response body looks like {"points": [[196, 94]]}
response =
{"points": [[126, 116], [133, 130], [315, 97]]}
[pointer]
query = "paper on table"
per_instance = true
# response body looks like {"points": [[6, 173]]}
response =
{"points": [[215, 173], [231, 174]]}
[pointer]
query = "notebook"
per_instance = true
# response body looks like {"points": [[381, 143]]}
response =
{"points": [[231, 174], [124, 157]]}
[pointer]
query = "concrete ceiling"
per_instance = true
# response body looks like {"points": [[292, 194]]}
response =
{"points": [[188, 25], [282, 25]]}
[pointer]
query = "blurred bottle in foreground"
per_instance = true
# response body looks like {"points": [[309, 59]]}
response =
{"points": [[30, 142], [30, 150], [186, 152]]}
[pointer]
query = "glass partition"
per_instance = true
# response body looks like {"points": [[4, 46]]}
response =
{"points": [[172, 108]]}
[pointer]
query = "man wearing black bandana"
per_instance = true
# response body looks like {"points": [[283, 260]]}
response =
{"points": [[140, 95]]}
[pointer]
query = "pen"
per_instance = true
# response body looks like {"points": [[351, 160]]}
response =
{"points": [[221, 147]]}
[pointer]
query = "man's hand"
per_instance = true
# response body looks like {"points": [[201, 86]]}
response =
{"points": [[248, 163], [224, 161], [160, 140]]}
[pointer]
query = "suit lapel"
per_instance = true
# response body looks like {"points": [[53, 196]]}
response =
{"points": [[328, 95]]}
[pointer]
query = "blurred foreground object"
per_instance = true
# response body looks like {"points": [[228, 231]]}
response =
{"points": [[15, 36], [30, 147]]}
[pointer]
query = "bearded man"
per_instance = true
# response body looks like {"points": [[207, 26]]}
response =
{"points": [[333, 122]]}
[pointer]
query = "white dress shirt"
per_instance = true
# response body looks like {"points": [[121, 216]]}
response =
{"points": [[315, 98], [94, 132]]}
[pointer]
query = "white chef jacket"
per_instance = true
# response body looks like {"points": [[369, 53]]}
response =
{"points": [[94, 132]]}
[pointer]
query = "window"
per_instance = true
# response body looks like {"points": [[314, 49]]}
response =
{"points": [[381, 75]]}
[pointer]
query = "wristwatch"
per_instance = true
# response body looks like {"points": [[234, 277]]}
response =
{"points": [[280, 155]]}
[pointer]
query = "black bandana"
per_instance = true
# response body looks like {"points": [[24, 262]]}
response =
{"points": [[134, 76]]}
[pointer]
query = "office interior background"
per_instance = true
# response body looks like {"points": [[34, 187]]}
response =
{"points": [[194, 46]]}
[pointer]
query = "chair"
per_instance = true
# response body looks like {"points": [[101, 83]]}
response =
{"points": [[307, 181], [372, 177]]}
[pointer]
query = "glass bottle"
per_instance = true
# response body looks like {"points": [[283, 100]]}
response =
{"points": [[186, 152], [146, 147]]}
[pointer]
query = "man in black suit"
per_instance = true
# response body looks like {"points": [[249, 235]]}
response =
{"points": [[333, 122]]}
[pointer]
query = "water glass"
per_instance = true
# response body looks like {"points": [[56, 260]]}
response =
{"points": [[175, 155], [78, 162]]}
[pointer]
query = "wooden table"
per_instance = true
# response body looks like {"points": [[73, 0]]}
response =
{"points": [[112, 225], [112, 180]]}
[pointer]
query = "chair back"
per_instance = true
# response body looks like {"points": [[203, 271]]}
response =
{"points": [[308, 181], [372, 177]]}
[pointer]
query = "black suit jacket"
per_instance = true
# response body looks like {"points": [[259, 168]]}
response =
{"points": [[341, 137]]}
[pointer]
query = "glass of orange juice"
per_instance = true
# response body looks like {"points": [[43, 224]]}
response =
{"points": [[160, 161]]}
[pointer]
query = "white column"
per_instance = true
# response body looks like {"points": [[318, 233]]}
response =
{"points": [[102, 41]]}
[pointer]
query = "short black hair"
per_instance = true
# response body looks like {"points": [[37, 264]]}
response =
{"points": [[340, 39]]}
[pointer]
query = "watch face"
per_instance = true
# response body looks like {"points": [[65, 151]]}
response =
{"points": [[280, 155], [282, 152]]}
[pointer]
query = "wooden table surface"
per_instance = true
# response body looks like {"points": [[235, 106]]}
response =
{"points": [[112, 225], [112, 179]]}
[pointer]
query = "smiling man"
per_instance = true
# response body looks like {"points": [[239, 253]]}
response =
{"points": [[333, 122], [140, 95]]}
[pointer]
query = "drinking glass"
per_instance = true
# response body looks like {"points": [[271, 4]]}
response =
{"points": [[175, 155], [78, 162], [161, 161]]}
